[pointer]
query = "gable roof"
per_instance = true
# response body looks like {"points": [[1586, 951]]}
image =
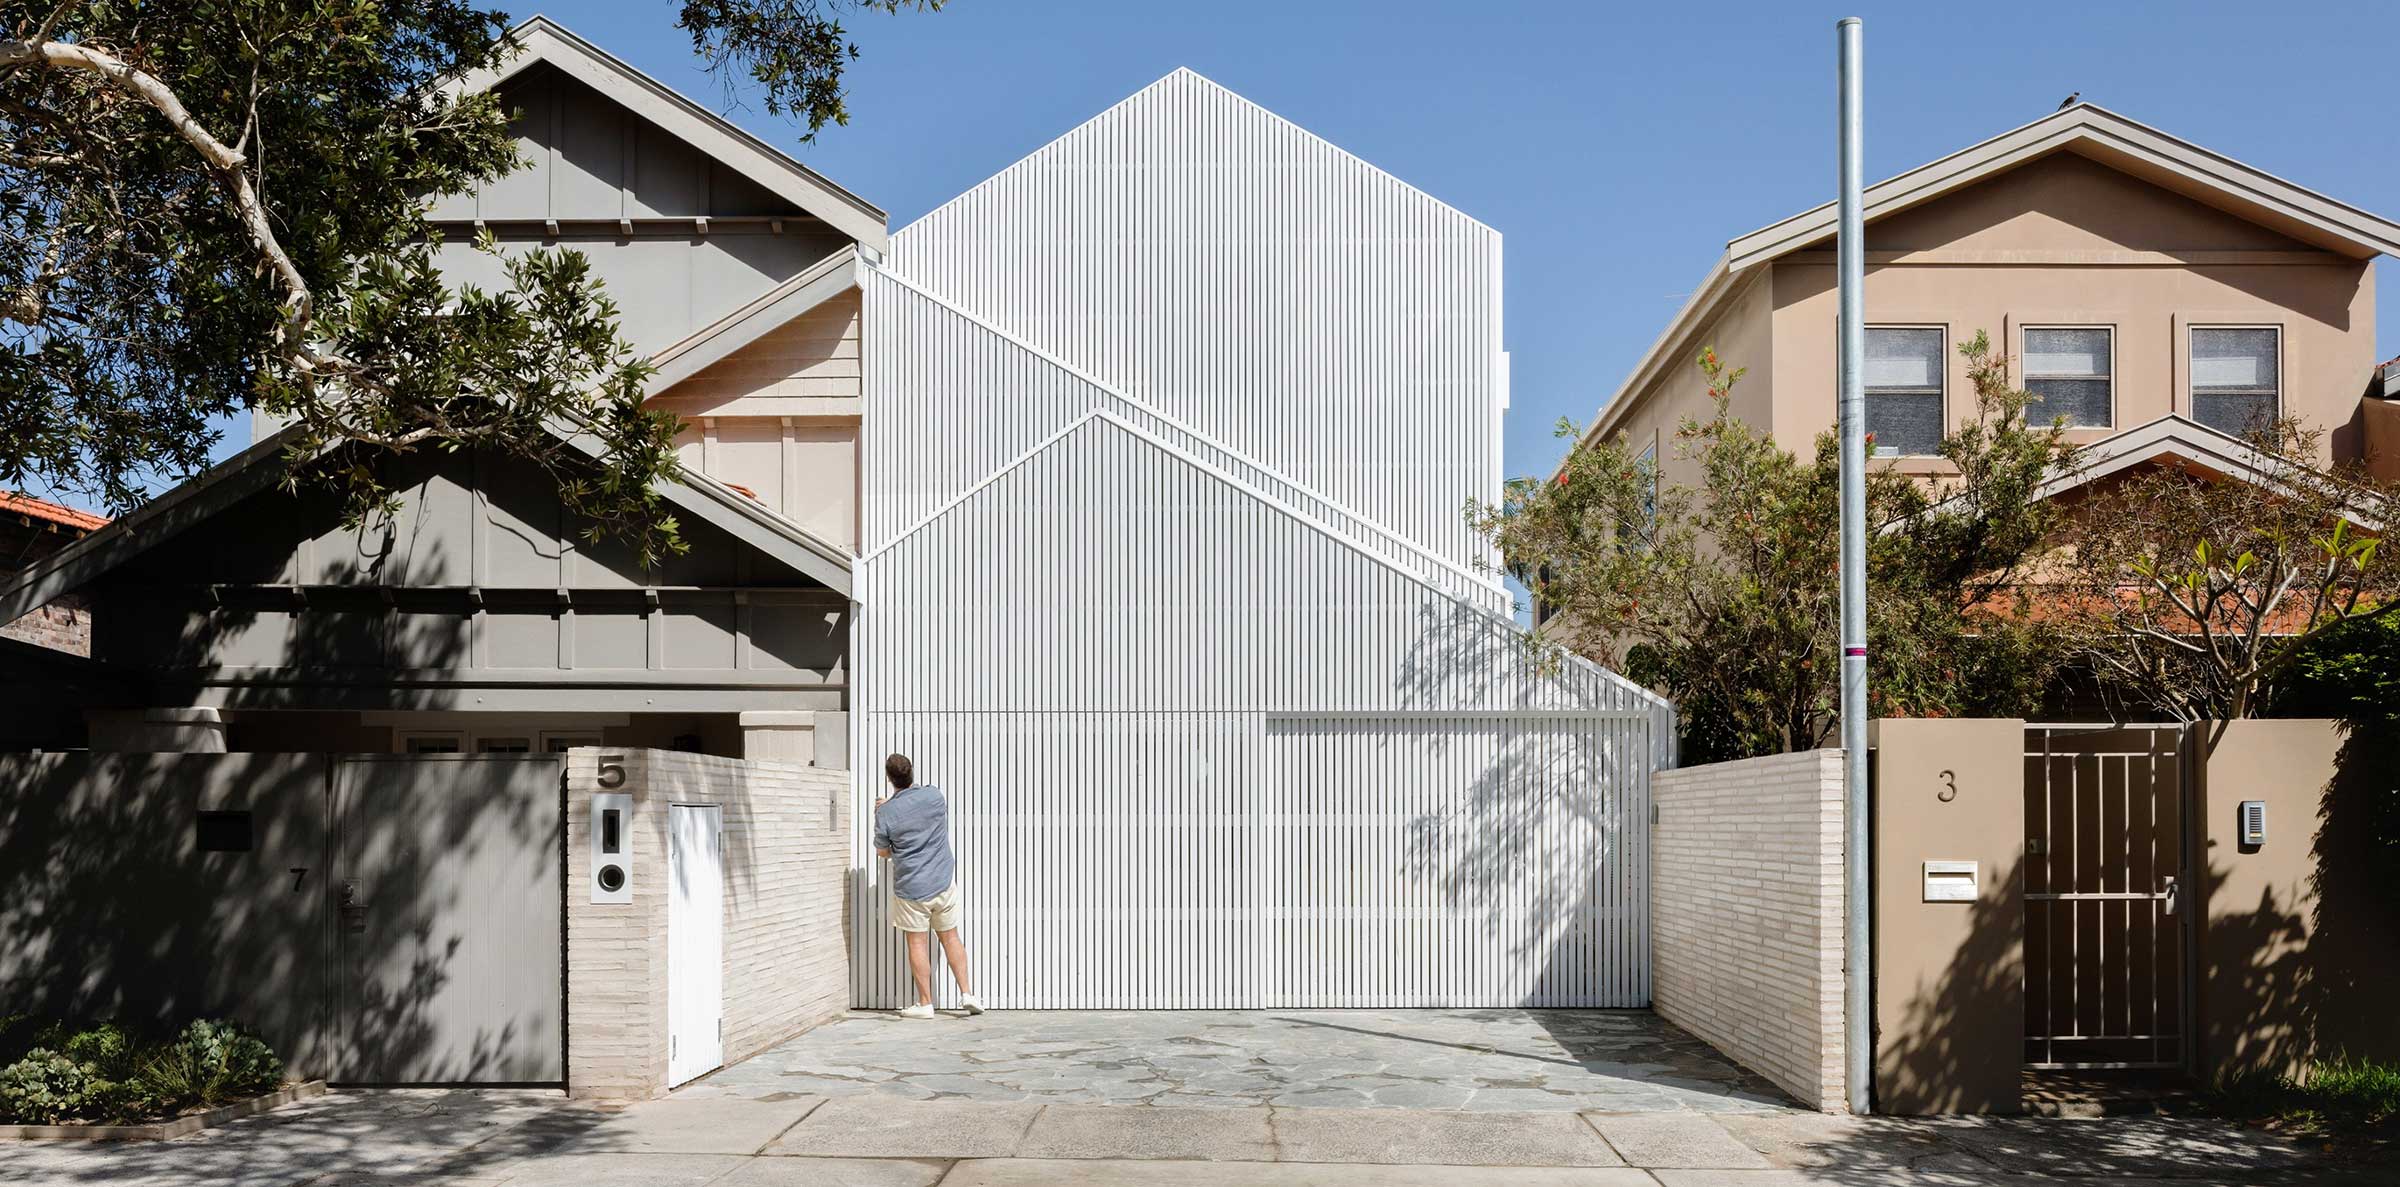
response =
{"points": [[1174, 97], [2174, 439], [253, 470], [545, 41], [2134, 148], [769, 311], [1109, 419], [31, 509]]}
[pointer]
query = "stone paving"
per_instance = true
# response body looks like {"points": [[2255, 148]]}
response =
{"points": [[459, 1138], [1616, 1061], [1517, 1099]]}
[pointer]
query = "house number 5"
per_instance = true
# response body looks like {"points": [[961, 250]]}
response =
{"points": [[1949, 789]]}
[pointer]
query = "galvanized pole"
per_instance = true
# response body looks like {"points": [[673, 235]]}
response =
{"points": [[1851, 268]]}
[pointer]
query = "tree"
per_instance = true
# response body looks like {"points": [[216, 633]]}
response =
{"points": [[794, 50], [2195, 594], [1725, 596], [220, 204]]}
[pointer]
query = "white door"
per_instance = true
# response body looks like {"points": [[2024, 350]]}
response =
{"points": [[695, 941]]}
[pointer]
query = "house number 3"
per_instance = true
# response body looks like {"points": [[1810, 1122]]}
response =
{"points": [[1949, 789]]}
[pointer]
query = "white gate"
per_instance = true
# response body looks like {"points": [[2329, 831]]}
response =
{"points": [[695, 940], [1223, 860]]}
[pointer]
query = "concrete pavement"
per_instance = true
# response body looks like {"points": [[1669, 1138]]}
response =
{"points": [[528, 1139]]}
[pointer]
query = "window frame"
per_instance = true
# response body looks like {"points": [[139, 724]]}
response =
{"points": [[2025, 351], [2191, 379], [1940, 390], [408, 740]]}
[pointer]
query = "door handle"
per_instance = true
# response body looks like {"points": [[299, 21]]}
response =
{"points": [[2172, 891]]}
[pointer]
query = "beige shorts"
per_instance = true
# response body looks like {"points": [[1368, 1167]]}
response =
{"points": [[939, 913]]}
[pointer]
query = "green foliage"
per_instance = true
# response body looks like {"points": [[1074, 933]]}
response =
{"points": [[218, 205], [794, 49], [2351, 671], [2199, 596], [1725, 594], [211, 1063], [44, 1088], [103, 1073], [2342, 1096]]}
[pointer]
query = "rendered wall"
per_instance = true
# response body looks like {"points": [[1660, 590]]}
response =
{"points": [[2068, 241], [2300, 937], [1746, 915], [1949, 976], [110, 908], [786, 953]]}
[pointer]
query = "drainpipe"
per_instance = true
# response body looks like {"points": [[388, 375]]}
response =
{"points": [[1858, 1040]]}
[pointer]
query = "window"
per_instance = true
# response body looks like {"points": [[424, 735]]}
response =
{"points": [[2071, 371], [516, 745], [558, 742], [1904, 390], [2236, 376], [449, 742]]}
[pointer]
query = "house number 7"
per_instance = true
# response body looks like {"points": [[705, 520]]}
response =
{"points": [[1949, 789]]}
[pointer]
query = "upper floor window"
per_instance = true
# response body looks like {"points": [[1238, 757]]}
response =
{"points": [[2237, 376], [1904, 390], [2071, 372]]}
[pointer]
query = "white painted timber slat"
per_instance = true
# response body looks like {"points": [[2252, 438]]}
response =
{"points": [[1330, 785], [1166, 434], [1236, 272]]}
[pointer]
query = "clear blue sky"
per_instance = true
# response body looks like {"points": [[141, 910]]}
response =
{"points": [[1616, 151]]}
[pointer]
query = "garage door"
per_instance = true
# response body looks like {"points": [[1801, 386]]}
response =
{"points": [[1233, 860], [449, 916]]}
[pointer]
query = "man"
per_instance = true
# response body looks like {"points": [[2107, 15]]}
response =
{"points": [[912, 827]]}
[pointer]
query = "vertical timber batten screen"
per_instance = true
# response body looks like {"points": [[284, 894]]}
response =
{"points": [[1203, 752], [1200, 253], [1166, 434]]}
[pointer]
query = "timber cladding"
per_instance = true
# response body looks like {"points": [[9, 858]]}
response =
{"points": [[786, 964], [1746, 914]]}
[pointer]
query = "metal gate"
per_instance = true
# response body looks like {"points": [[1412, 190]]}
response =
{"points": [[448, 883], [2107, 929]]}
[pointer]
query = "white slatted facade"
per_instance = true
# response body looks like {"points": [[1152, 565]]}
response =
{"points": [[1165, 583], [1203, 752], [1238, 273]]}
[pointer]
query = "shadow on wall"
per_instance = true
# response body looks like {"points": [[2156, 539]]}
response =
{"points": [[152, 889], [1539, 846], [2299, 970], [1941, 1056]]}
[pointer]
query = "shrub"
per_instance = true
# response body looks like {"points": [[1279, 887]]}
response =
{"points": [[211, 1063], [44, 1088]]}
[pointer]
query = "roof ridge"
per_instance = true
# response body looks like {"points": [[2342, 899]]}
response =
{"points": [[1185, 73]]}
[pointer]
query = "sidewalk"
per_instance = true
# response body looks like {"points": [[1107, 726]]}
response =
{"points": [[529, 1139]]}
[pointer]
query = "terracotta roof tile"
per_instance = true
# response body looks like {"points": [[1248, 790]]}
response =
{"points": [[26, 505]]}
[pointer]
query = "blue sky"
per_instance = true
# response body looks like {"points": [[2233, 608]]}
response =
{"points": [[1617, 151]]}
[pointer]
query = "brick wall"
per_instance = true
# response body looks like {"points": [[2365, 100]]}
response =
{"points": [[786, 945], [1746, 915], [63, 625]]}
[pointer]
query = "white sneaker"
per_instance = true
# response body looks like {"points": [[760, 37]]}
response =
{"points": [[919, 1010], [970, 1003]]}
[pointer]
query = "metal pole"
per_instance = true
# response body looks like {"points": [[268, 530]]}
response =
{"points": [[1851, 268]]}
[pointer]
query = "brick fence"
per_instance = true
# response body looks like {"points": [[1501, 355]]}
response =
{"points": [[786, 948], [1746, 914]]}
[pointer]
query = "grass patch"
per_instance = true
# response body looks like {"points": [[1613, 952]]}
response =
{"points": [[2338, 1098]]}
